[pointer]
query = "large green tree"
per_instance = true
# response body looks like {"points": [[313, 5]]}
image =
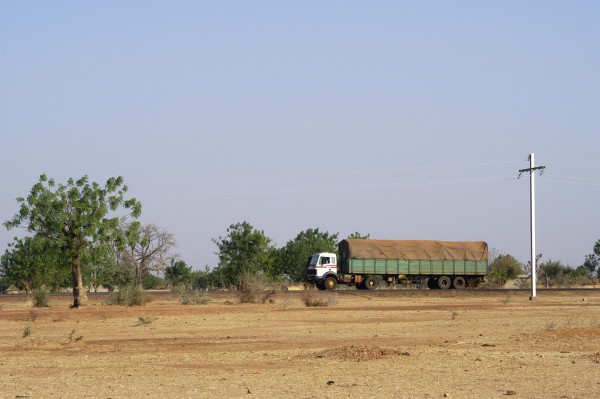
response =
{"points": [[244, 250], [292, 258], [75, 216]]}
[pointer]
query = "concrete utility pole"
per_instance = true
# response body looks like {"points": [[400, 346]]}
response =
{"points": [[531, 171]]}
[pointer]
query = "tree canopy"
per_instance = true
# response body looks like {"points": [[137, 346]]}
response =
{"points": [[75, 216], [244, 250], [504, 268], [292, 258]]}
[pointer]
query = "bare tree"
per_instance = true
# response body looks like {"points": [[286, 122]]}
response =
{"points": [[150, 251]]}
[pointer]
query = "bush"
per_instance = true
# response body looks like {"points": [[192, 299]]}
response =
{"points": [[194, 298], [128, 296], [40, 298], [152, 282], [504, 268], [312, 298], [255, 289]]}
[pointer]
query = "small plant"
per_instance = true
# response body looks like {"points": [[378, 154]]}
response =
{"points": [[40, 298], [74, 338], [312, 298], [128, 296], [194, 298], [142, 321], [551, 326], [507, 298], [33, 315], [27, 331]]}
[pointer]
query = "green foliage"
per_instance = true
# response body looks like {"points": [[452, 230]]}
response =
{"points": [[40, 298], [554, 273], [291, 260], [592, 261], [4, 284], [244, 250], [33, 262], [75, 216], [504, 268], [153, 282], [203, 280], [178, 274], [128, 296], [358, 235]]}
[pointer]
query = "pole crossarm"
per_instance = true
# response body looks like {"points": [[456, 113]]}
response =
{"points": [[531, 170]]}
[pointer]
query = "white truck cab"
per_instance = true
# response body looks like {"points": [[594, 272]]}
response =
{"points": [[321, 270]]}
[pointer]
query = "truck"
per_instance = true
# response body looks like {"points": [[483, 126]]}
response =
{"points": [[366, 263]]}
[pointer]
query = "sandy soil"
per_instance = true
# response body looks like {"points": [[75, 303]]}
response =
{"points": [[410, 344]]}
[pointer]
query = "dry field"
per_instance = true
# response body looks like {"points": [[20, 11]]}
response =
{"points": [[414, 344]]}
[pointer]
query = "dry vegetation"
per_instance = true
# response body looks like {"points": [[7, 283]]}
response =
{"points": [[423, 344]]}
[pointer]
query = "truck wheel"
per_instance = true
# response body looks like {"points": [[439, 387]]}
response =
{"points": [[371, 283], [459, 283], [444, 282], [330, 283]]}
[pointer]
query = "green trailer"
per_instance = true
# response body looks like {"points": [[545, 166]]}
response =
{"points": [[367, 263]]}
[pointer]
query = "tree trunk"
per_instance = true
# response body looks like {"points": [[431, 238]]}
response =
{"points": [[79, 295]]}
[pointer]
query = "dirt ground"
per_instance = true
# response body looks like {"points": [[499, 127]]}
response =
{"points": [[409, 344]]}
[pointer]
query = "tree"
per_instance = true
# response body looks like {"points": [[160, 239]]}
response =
{"points": [[178, 274], [148, 250], [244, 250], [504, 268], [292, 259], [552, 271], [592, 261], [31, 263], [74, 217], [358, 235]]}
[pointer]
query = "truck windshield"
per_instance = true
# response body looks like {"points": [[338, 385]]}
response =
{"points": [[313, 260]]}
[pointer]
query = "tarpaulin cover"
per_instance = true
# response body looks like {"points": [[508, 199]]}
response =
{"points": [[413, 249]]}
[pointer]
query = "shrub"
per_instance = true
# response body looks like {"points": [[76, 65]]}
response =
{"points": [[152, 282], [128, 296], [27, 331], [255, 289], [194, 298], [504, 268], [40, 298], [312, 298]]}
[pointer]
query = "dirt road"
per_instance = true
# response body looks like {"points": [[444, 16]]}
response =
{"points": [[422, 344]]}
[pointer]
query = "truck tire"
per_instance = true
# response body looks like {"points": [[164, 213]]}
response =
{"points": [[459, 283], [371, 283], [444, 282], [330, 283]]}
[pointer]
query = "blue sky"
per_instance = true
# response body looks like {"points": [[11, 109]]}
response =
{"points": [[401, 119]]}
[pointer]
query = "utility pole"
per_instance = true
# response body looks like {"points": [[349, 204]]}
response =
{"points": [[531, 171]]}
